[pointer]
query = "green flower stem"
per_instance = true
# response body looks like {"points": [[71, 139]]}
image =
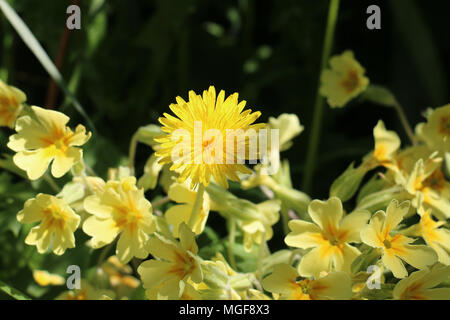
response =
{"points": [[104, 253], [231, 240], [285, 218], [405, 122], [160, 202], [52, 183], [313, 144], [132, 153], [262, 248], [197, 206]]}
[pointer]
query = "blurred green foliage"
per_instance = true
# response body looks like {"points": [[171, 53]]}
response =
{"points": [[132, 58]]}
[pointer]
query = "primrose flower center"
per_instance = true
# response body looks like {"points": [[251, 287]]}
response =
{"points": [[333, 241], [128, 217], [183, 265], [8, 107], [58, 139], [304, 286], [445, 126], [380, 153], [436, 181], [351, 82], [55, 216], [387, 243]]}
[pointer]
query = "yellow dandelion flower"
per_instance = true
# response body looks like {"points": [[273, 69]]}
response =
{"points": [[120, 209], [44, 139], [58, 223], [283, 281], [86, 292], [421, 285], [344, 81], [181, 213], [176, 263], [11, 104], [436, 131], [196, 139], [436, 237], [44, 278], [329, 236], [396, 247]]}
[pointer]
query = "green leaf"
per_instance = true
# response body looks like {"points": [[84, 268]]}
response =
{"points": [[146, 134], [384, 293], [379, 95], [16, 294], [346, 185], [8, 164], [34, 45], [364, 260], [379, 200]]}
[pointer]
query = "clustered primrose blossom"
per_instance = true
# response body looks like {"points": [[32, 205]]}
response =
{"points": [[205, 113], [396, 247], [121, 209], [436, 131], [175, 264], [181, 213], [283, 281], [329, 236], [58, 223], [344, 81], [11, 104], [434, 235], [45, 138], [421, 285]]}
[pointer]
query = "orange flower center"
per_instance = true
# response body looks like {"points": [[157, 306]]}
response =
{"points": [[351, 82], [445, 126], [436, 181]]}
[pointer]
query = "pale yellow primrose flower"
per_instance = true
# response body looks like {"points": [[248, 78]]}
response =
{"points": [[283, 281], [86, 292], [436, 237], [329, 236], [45, 138], [151, 173], [429, 187], [44, 278], [395, 248], [344, 81], [260, 229], [387, 144], [436, 131], [177, 214], [420, 285], [11, 106], [405, 161], [120, 209], [176, 263], [58, 223], [289, 127]]}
